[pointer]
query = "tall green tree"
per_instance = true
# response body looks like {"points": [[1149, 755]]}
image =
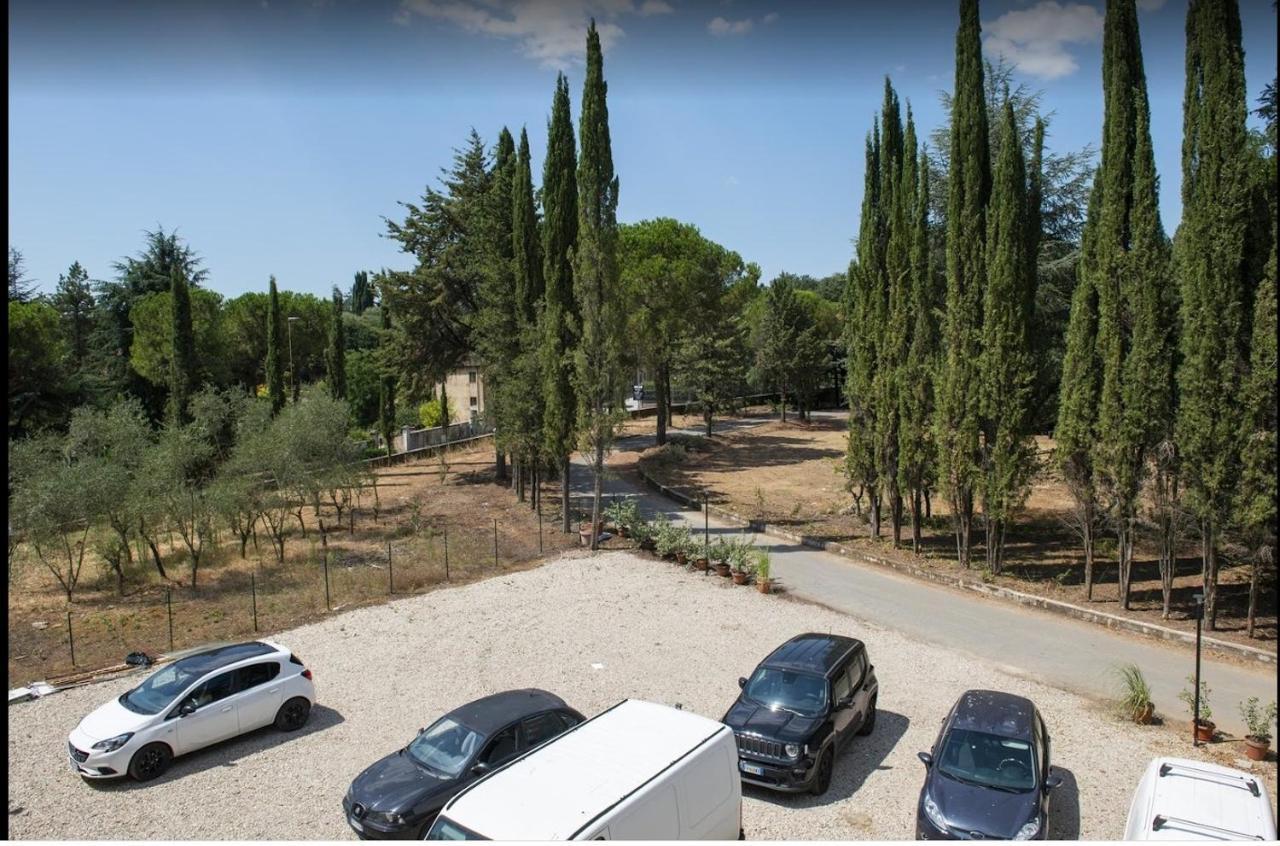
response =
{"points": [[1077, 426], [1007, 368], [275, 359], [861, 465], [387, 390], [780, 339], [20, 288], [559, 330], [336, 355], [524, 397], [182, 362], [956, 426], [74, 301], [599, 378], [361, 293], [1211, 264]]}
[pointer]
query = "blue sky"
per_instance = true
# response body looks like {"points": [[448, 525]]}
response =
{"points": [[275, 134]]}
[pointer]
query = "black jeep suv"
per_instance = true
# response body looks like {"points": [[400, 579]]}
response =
{"points": [[801, 706]]}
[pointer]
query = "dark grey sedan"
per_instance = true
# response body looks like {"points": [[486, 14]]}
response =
{"points": [[399, 796], [988, 775]]}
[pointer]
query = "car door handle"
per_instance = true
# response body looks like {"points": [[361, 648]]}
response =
{"points": [[226, 709], [273, 690]]}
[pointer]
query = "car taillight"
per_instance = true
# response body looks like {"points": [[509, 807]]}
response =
{"points": [[306, 674]]}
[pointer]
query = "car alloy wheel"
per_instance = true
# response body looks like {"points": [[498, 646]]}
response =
{"points": [[293, 714], [823, 779], [150, 761]]}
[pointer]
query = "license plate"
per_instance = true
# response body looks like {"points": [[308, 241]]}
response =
{"points": [[354, 824], [751, 768]]}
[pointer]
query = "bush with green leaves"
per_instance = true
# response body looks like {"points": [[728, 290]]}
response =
{"points": [[1258, 718], [671, 538], [1188, 696], [764, 564], [1134, 693], [623, 513]]}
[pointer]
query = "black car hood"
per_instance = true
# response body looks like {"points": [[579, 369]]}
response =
{"points": [[968, 807], [783, 726], [395, 784]]}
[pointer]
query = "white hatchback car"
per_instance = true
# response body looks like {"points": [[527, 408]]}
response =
{"points": [[1178, 799], [196, 701]]}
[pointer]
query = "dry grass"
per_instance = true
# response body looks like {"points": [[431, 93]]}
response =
{"points": [[791, 475], [424, 507]]}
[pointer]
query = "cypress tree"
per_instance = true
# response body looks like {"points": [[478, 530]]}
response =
{"points": [[361, 293], [1211, 264], [524, 397], [956, 423], [597, 290], [525, 239], [335, 358], [183, 364], [559, 315], [1007, 369], [1076, 431], [275, 363], [1131, 263], [387, 391], [860, 456]]}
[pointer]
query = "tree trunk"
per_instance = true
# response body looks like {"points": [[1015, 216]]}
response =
{"points": [[1088, 555], [662, 399], [666, 386], [564, 494], [782, 404], [895, 513], [706, 418], [1209, 555], [928, 504], [1124, 554], [533, 487], [598, 489], [875, 514], [500, 465], [1254, 572], [962, 506], [517, 471], [915, 521]]}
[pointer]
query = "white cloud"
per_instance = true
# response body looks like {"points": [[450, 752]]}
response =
{"points": [[769, 18], [720, 27], [1035, 40], [655, 7], [552, 31]]}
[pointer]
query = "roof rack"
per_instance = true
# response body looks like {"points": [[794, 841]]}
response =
{"points": [[1241, 781], [1160, 821]]}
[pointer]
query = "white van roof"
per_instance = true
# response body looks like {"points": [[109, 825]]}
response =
{"points": [[1197, 800], [559, 788]]}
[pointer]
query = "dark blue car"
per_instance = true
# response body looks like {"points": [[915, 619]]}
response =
{"points": [[988, 775]]}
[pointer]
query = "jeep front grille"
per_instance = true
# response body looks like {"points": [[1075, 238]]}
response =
{"points": [[759, 747]]}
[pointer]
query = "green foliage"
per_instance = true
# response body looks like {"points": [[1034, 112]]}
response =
{"points": [[361, 293], [431, 414], [1257, 494], [1187, 695], [387, 391], [74, 301], [36, 355], [1134, 695], [275, 356], [182, 361], [764, 564], [151, 354], [781, 344], [1258, 718], [364, 384], [335, 355], [20, 290]]}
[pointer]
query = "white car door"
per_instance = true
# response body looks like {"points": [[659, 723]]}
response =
{"points": [[214, 717], [260, 695]]}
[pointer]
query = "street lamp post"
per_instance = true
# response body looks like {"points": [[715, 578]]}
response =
{"points": [[293, 374], [1195, 716]]}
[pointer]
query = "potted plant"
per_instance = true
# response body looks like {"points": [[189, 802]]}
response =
{"points": [[1259, 721], [700, 553], [719, 555], [1135, 695], [623, 514], [671, 539], [643, 532], [1205, 727], [763, 568], [742, 560]]}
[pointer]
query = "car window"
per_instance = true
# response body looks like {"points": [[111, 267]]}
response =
{"points": [[541, 728], [502, 747], [857, 669], [256, 674], [841, 687], [569, 720], [445, 747], [988, 760], [219, 687], [799, 693]]}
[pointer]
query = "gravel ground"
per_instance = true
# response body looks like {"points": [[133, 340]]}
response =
{"points": [[660, 633]]}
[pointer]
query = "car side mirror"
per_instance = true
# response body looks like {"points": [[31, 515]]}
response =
{"points": [[1053, 782], [742, 682], [479, 768], [925, 758], [421, 730], [841, 704], [187, 708]]}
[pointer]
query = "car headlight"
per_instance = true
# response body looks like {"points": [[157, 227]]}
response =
{"points": [[934, 813], [388, 819], [113, 743], [792, 750], [1029, 830]]}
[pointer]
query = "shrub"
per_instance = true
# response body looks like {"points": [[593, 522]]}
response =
{"points": [[1188, 696], [430, 414], [1134, 694], [763, 565], [1259, 719]]}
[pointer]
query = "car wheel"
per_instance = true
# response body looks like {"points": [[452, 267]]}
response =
{"points": [[822, 780], [293, 714], [150, 761], [869, 724]]}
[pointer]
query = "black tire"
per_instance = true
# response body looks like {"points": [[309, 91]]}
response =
{"points": [[293, 714], [150, 761], [869, 724], [822, 780]]}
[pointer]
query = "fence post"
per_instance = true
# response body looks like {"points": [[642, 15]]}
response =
{"points": [[253, 589], [168, 601], [391, 573], [495, 543], [326, 581], [71, 640], [445, 531]]}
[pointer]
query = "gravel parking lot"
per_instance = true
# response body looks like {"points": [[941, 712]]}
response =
{"points": [[660, 633]]}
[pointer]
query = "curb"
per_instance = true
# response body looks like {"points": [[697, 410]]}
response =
{"points": [[1066, 609]]}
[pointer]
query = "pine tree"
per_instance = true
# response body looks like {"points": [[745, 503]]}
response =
{"points": [[596, 287], [956, 422], [1211, 264], [1007, 369], [275, 361], [74, 301], [335, 358], [182, 381], [559, 315], [1076, 431], [779, 339]]}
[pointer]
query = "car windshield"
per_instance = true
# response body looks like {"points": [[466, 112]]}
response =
{"points": [[446, 746], [447, 829], [158, 692], [787, 690], [988, 760]]}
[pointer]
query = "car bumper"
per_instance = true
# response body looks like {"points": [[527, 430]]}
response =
{"points": [[97, 764], [776, 775], [368, 830], [926, 830]]}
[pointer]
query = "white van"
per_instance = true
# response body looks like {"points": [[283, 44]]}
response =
{"points": [[638, 771], [1179, 799]]}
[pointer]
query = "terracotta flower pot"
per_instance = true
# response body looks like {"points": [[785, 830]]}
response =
{"points": [[1142, 716], [1256, 750], [764, 585], [681, 557], [701, 564], [624, 532], [722, 569], [648, 545], [1205, 730], [739, 578]]}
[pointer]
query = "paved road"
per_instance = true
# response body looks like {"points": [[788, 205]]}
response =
{"points": [[1066, 653]]}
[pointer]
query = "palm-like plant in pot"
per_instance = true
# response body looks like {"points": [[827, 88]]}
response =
{"points": [[1135, 694], [1205, 727], [1259, 720]]}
